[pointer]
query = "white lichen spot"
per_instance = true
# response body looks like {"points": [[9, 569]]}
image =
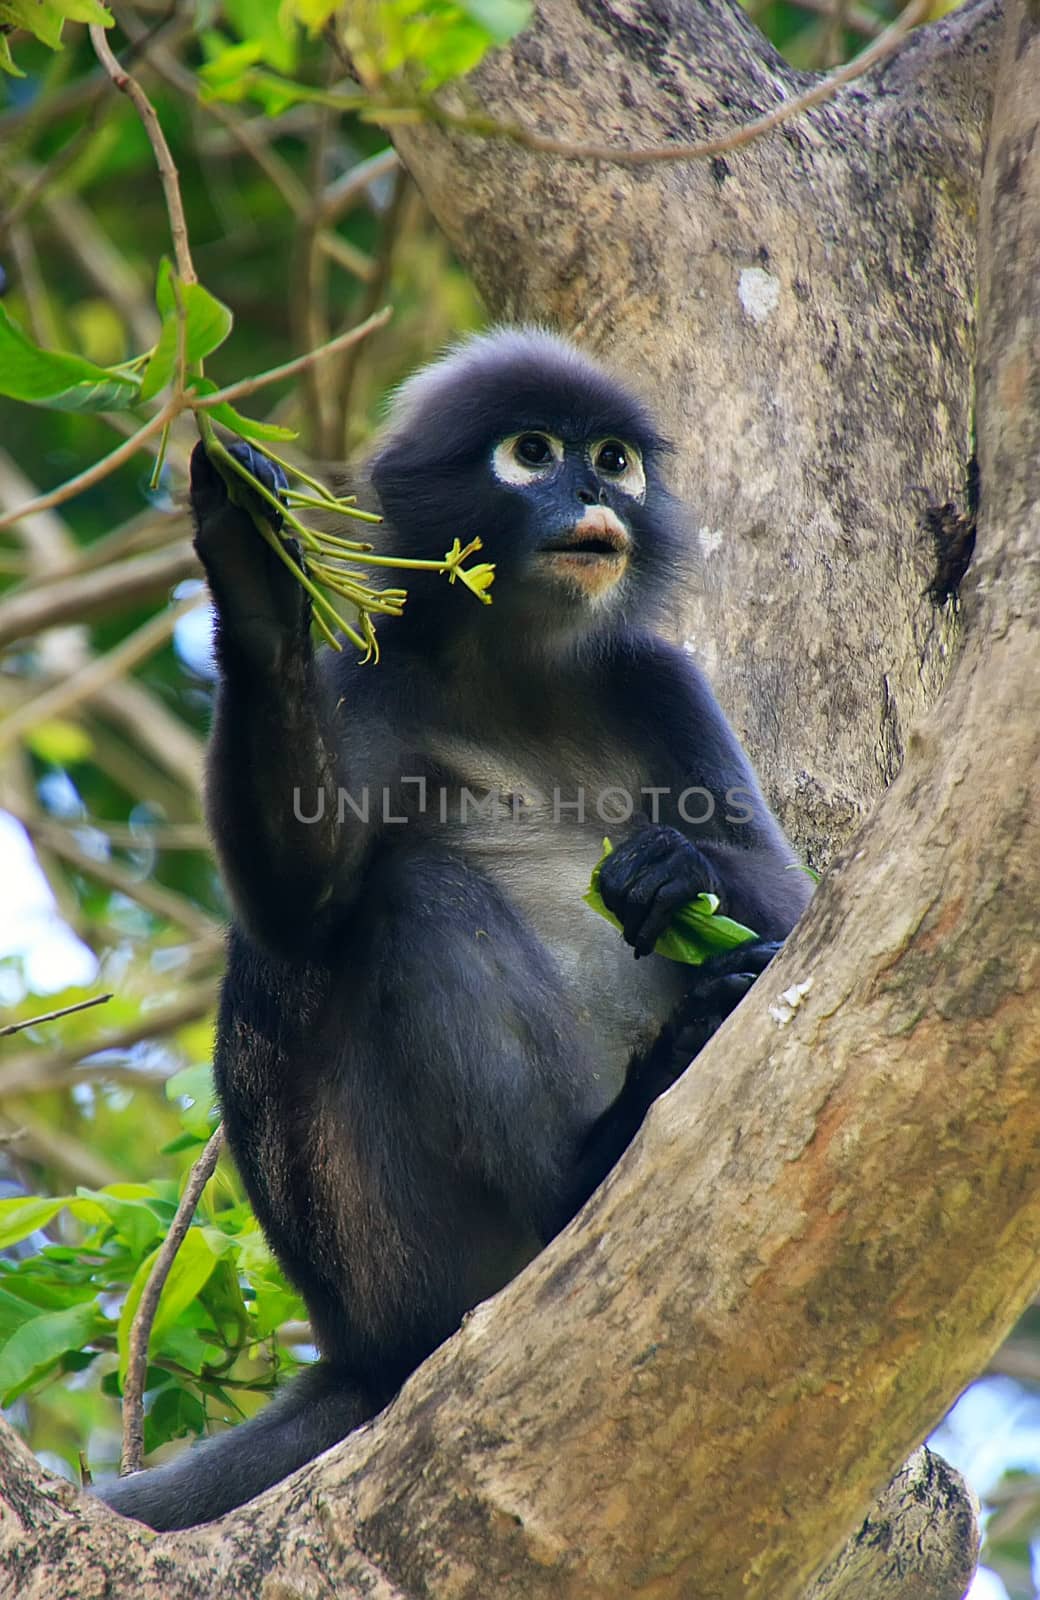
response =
{"points": [[709, 539], [759, 294], [790, 1000]]}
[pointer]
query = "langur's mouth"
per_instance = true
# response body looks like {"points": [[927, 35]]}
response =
{"points": [[600, 539]]}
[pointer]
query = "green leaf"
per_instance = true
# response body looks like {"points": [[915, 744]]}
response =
{"points": [[247, 427], [57, 379], [696, 932], [262, 23], [59, 742], [83, 11], [207, 323], [192, 1266], [503, 19], [174, 1413], [7, 59], [165, 302], [194, 1084], [39, 17], [183, 1141], [21, 1217], [136, 1219], [44, 19], [40, 1343]]}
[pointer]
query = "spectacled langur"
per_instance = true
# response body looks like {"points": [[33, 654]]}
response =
{"points": [[429, 1050]]}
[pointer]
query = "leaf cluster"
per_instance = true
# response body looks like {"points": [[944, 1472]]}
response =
{"points": [[71, 1276]]}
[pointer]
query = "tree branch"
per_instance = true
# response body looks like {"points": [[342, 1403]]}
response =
{"points": [[102, 671], [774, 308], [701, 149], [144, 1316], [100, 592], [129, 86], [52, 1016]]}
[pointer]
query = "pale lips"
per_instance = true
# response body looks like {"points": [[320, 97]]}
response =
{"points": [[599, 535], [593, 555]]}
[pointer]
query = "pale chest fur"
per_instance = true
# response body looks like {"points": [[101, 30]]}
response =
{"points": [[535, 830]]}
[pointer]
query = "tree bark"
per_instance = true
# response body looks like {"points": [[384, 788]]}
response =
{"points": [[826, 1228], [800, 312]]}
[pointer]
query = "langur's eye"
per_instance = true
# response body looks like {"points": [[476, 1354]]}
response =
{"points": [[520, 457], [612, 457], [621, 463], [533, 449]]}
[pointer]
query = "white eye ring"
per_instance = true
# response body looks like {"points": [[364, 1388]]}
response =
{"points": [[510, 467], [632, 481]]}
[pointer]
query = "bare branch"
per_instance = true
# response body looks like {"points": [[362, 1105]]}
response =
{"points": [[345, 191], [153, 728], [144, 1316], [36, 1139], [104, 669], [650, 155], [375, 292], [52, 1016], [129, 86], [164, 903], [102, 592], [99, 470], [343, 341], [34, 1070]]}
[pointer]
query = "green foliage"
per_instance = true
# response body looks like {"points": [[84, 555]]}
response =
{"points": [[56, 379], [207, 322], [67, 1306], [45, 19], [422, 45], [696, 931]]}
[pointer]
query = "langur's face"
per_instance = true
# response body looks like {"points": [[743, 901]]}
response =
{"points": [[523, 443], [579, 497]]}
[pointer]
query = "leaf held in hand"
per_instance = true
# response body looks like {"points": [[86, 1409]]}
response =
{"points": [[696, 932]]}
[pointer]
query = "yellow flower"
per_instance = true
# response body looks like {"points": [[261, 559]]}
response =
{"points": [[478, 579]]}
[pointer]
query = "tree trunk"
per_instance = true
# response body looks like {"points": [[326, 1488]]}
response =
{"points": [[826, 1228], [800, 313]]}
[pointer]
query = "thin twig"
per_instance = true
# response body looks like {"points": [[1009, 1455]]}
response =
{"points": [[100, 469], [547, 144], [79, 597], [40, 1141], [144, 1316], [37, 1069], [859, 18], [148, 835], [288, 369], [153, 729], [61, 697], [166, 66], [52, 1016], [391, 228], [345, 191], [309, 300], [168, 905], [832, 34], [346, 255], [129, 86], [84, 239]]}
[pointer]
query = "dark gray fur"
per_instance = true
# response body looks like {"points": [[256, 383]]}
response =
{"points": [[430, 1051]]}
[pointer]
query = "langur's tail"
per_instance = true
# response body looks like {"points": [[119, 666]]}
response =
{"points": [[314, 1412]]}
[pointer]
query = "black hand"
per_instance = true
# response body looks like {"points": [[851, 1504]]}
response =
{"points": [[648, 877], [209, 493], [258, 600]]}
